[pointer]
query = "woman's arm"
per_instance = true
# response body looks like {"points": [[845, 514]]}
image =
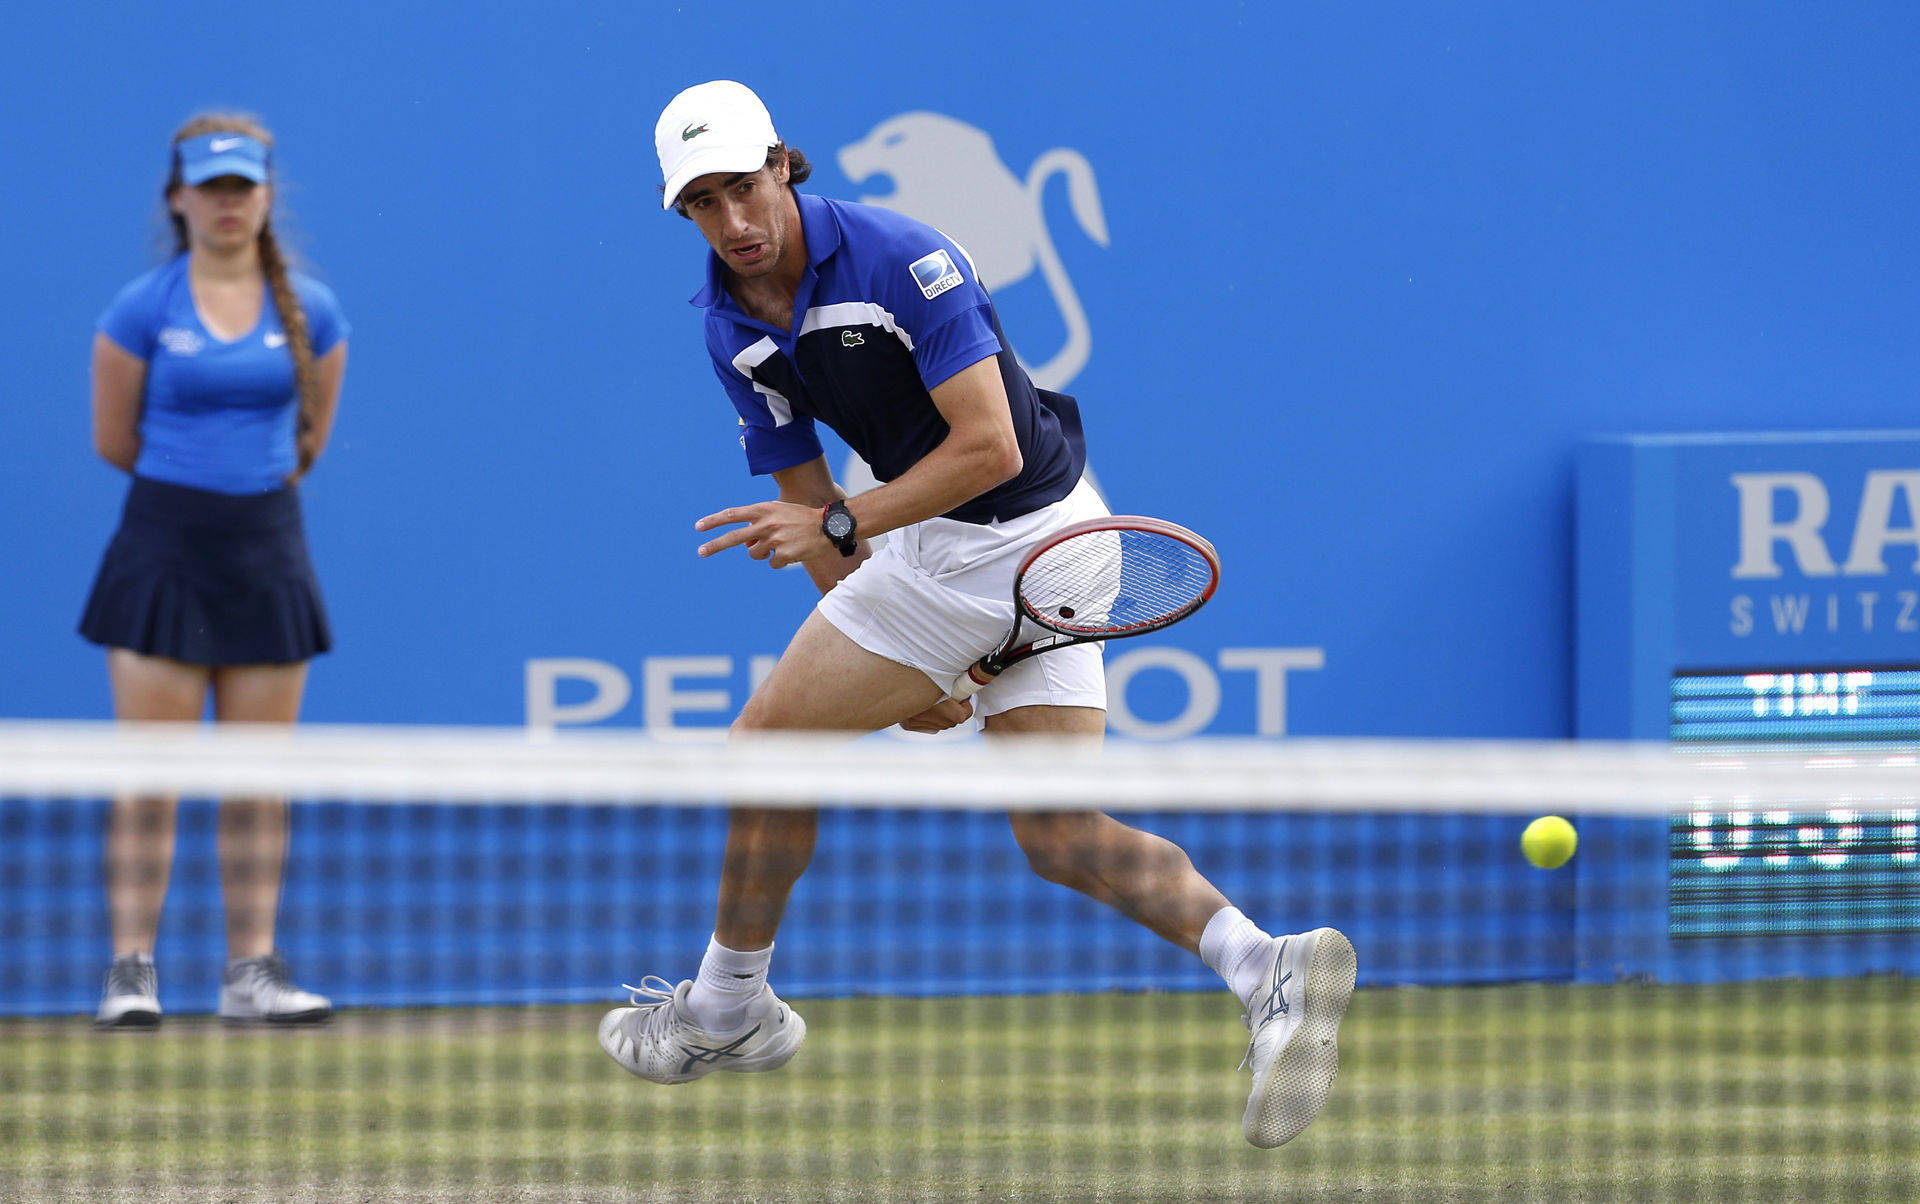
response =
{"points": [[331, 369], [119, 382]]}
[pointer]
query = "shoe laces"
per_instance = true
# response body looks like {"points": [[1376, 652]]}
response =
{"points": [[131, 975], [655, 995], [268, 972], [652, 998]]}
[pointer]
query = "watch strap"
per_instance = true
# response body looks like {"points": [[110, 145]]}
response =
{"points": [[848, 544]]}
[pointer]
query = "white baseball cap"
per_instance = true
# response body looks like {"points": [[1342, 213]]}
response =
{"points": [[717, 126]]}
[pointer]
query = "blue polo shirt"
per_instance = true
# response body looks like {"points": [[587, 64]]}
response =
{"points": [[889, 308], [217, 414]]}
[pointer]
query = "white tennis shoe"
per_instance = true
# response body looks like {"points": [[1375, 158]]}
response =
{"points": [[654, 1039], [258, 990], [1294, 1018], [131, 996]]}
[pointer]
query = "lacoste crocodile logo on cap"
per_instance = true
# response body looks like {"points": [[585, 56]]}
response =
{"points": [[692, 132]]}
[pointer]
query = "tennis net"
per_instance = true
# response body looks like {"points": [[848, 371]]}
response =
{"points": [[1713, 997]]}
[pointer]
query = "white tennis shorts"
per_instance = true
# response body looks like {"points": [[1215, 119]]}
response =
{"points": [[939, 596]]}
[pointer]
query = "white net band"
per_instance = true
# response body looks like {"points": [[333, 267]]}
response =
{"points": [[516, 765]]}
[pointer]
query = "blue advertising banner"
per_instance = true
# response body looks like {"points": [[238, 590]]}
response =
{"points": [[1826, 568], [1760, 557], [1342, 289], [1745, 589]]}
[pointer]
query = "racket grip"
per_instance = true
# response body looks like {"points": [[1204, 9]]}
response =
{"points": [[973, 680]]}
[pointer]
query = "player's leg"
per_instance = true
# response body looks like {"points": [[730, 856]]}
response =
{"points": [[140, 835], [824, 682], [1145, 877], [1295, 988], [252, 839], [727, 1017]]}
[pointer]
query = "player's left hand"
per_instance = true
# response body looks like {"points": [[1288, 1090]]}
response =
{"points": [[781, 533], [948, 712]]}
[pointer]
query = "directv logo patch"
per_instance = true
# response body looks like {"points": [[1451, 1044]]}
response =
{"points": [[935, 274], [180, 341]]}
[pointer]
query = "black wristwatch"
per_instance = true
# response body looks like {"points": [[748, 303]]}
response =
{"points": [[836, 523]]}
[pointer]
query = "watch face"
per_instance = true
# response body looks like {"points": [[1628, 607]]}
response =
{"points": [[839, 525]]}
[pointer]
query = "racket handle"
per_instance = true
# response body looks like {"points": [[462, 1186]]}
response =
{"points": [[975, 679]]}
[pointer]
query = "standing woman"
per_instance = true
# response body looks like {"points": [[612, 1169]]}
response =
{"points": [[215, 379]]}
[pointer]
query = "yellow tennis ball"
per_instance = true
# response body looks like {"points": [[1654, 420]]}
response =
{"points": [[1548, 842]]}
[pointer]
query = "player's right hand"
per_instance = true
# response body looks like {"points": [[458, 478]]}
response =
{"points": [[780, 533]]}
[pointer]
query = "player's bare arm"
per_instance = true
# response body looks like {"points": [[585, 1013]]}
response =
{"points": [[979, 452]]}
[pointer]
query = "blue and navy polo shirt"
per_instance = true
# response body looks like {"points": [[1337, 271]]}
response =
{"points": [[217, 414], [888, 309]]}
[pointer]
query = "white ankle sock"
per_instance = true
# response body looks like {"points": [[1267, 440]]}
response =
{"points": [[1231, 946], [728, 981]]}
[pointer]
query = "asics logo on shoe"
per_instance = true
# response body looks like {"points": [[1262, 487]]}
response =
{"points": [[696, 1054], [1277, 999]]}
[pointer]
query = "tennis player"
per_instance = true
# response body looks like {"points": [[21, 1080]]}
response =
{"points": [[215, 378], [821, 311]]}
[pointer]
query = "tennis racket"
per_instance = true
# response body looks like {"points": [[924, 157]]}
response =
{"points": [[1102, 579]]}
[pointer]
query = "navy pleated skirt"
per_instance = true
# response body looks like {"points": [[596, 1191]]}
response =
{"points": [[209, 578]]}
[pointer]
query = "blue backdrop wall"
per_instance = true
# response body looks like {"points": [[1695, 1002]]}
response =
{"points": [[1340, 286]]}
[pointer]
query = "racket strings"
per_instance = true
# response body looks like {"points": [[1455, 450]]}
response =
{"points": [[1115, 580]]}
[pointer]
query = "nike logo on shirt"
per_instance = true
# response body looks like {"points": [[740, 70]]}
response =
{"points": [[276, 340]]}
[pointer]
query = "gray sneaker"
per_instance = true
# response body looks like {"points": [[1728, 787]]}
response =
{"points": [[131, 997], [258, 990], [1294, 1018], [655, 1040]]}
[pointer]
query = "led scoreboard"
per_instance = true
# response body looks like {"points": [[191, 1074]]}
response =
{"points": [[1773, 869], [1753, 590]]}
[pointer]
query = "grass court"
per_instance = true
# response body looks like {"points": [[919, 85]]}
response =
{"points": [[1758, 1091]]}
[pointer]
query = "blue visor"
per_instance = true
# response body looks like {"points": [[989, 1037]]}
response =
{"points": [[210, 156]]}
